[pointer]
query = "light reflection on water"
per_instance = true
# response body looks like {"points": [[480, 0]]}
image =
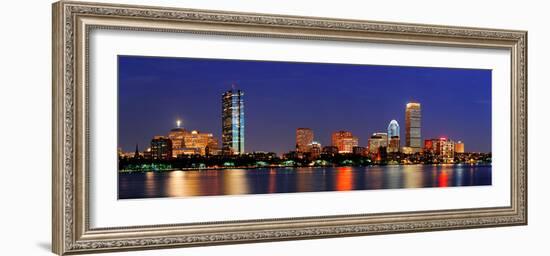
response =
{"points": [[288, 180]]}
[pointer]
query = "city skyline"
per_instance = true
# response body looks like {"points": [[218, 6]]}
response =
{"points": [[278, 142]]}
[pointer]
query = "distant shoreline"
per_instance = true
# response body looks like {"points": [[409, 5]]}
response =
{"points": [[289, 167]]}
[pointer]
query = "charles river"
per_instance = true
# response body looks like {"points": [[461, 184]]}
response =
{"points": [[301, 179]]}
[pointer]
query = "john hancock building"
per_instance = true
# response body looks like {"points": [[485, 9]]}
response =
{"points": [[300, 138], [233, 122]]}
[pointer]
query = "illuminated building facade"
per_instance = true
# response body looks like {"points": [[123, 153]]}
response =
{"points": [[314, 149], [304, 137], [377, 141], [192, 143], [161, 148], [344, 141], [442, 148], [393, 129], [459, 147], [413, 120], [394, 144], [394, 141], [177, 135], [233, 122], [429, 146]]}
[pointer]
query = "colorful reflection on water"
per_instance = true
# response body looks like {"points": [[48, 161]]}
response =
{"points": [[289, 180]]}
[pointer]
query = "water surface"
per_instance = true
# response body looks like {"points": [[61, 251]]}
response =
{"points": [[302, 179]]}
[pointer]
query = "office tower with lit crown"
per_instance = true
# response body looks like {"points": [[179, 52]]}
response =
{"points": [[393, 128], [233, 122], [344, 141], [413, 120], [394, 141], [304, 137], [177, 135], [161, 148]]}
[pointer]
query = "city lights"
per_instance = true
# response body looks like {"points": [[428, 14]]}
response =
{"points": [[195, 149]]}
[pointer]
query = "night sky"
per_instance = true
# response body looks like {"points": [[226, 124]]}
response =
{"points": [[282, 96]]}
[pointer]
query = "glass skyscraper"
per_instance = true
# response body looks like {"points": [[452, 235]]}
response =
{"points": [[413, 119], [393, 137], [233, 122], [393, 129]]}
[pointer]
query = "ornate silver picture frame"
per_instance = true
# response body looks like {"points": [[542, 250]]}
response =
{"points": [[72, 24]]}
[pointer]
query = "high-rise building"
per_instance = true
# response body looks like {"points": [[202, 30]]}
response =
{"points": [[191, 143], [344, 141], [233, 122], [161, 148], [378, 140], [394, 144], [394, 141], [314, 149], [177, 136], [393, 129], [413, 120], [304, 137], [459, 147]]}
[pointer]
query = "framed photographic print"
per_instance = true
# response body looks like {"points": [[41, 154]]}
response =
{"points": [[178, 127]]}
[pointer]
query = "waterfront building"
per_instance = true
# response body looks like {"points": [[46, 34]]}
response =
{"points": [[429, 146], [394, 144], [413, 121], [459, 147], [359, 151], [147, 154], [192, 143], [314, 149], [304, 137], [330, 150], [344, 141], [177, 135], [442, 148], [233, 122], [377, 141], [200, 142], [408, 150], [161, 148]]}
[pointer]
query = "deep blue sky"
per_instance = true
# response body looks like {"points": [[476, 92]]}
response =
{"points": [[282, 96]]}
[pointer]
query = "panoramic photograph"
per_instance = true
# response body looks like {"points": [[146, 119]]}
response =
{"points": [[216, 127]]}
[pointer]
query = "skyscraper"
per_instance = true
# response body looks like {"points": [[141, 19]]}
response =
{"points": [[393, 129], [344, 141], [394, 142], [413, 119], [304, 137], [233, 122]]}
